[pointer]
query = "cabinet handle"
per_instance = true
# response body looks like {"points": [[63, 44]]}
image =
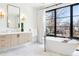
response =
{"points": [[18, 35], [2, 40]]}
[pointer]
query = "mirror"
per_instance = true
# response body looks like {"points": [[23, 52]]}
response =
{"points": [[13, 16]]}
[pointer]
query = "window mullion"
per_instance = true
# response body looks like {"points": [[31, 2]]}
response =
{"points": [[71, 21], [55, 22]]}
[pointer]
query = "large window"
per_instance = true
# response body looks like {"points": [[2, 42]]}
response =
{"points": [[50, 23], [63, 22], [76, 21]]}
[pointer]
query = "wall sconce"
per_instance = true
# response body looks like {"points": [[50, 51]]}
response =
{"points": [[23, 18], [2, 13]]}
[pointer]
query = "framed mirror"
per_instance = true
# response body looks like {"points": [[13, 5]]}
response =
{"points": [[13, 16]]}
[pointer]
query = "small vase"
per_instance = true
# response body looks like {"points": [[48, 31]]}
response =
{"points": [[22, 27]]}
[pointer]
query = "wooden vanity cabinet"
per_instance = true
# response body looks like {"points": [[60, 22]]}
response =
{"points": [[23, 38], [20, 39], [5, 41], [12, 40]]}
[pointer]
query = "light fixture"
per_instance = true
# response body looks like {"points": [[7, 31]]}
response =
{"points": [[23, 17], [2, 13]]}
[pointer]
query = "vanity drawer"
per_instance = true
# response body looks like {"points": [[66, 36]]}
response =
{"points": [[4, 43], [24, 38], [14, 40]]}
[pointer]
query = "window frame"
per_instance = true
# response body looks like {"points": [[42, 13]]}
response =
{"points": [[54, 23], [71, 21], [63, 18]]}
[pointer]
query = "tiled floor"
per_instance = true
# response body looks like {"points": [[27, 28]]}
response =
{"points": [[28, 50]]}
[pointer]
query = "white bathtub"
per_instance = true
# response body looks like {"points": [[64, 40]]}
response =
{"points": [[56, 45]]}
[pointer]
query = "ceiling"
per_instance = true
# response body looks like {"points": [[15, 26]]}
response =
{"points": [[35, 5]]}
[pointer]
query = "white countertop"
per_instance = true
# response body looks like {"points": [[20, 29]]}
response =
{"points": [[76, 53], [8, 33]]}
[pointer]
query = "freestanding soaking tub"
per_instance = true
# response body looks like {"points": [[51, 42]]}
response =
{"points": [[57, 45]]}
